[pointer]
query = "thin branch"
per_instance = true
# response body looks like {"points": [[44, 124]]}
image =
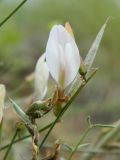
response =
{"points": [[86, 150], [13, 12], [91, 126], [27, 136], [104, 140], [10, 145]]}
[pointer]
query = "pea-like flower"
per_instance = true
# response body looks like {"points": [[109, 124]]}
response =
{"points": [[41, 78], [2, 98], [61, 59], [62, 56]]}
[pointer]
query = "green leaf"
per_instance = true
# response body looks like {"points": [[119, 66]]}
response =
{"points": [[81, 146], [94, 48], [20, 112], [68, 147]]}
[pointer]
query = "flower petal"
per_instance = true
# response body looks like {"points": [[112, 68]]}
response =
{"points": [[72, 63], [62, 56], [41, 78]]}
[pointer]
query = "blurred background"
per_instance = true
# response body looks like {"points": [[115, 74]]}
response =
{"points": [[23, 39]]}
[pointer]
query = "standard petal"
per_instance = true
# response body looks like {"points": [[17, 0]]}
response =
{"points": [[2, 99], [62, 56], [72, 58], [41, 78]]}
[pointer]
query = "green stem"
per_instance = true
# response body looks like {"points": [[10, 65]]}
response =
{"points": [[65, 108], [82, 138], [10, 145], [13, 12], [85, 134], [27, 136], [104, 140], [86, 150]]}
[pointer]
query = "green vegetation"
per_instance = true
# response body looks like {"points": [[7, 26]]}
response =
{"points": [[23, 39]]}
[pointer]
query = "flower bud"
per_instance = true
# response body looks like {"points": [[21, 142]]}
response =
{"points": [[83, 68]]}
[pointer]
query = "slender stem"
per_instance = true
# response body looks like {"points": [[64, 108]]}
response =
{"points": [[81, 139], [104, 140], [27, 136], [13, 12], [10, 145], [101, 151], [65, 108], [85, 134]]}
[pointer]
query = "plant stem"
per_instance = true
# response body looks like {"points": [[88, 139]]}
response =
{"points": [[81, 139], [104, 140], [66, 107], [10, 145], [85, 134], [13, 12], [27, 136], [35, 151], [86, 150]]}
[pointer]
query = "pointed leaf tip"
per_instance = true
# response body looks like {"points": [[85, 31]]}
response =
{"points": [[80, 146], [20, 112], [94, 48], [68, 147]]}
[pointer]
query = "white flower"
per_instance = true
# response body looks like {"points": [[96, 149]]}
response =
{"points": [[2, 98], [62, 56], [41, 78]]}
